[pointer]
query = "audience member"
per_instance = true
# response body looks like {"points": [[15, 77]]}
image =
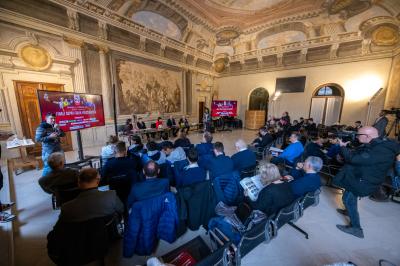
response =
{"points": [[306, 177], [172, 125], [120, 165], [153, 154], [90, 203], [59, 176], [140, 124], [285, 120], [164, 138], [314, 148], [310, 126], [275, 195], [301, 121], [159, 123], [364, 171], [191, 173], [136, 147], [173, 153], [380, 123], [292, 152], [221, 164], [108, 151], [294, 127], [151, 186], [264, 139], [244, 158], [182, 140], [206, 145]]}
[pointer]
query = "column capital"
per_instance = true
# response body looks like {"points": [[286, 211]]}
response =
{"points": [[77, 43], [102, 48]]}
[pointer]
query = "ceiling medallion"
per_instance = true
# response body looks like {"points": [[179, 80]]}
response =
{"points": [[35, 57], [225, 37], [385, 36]]}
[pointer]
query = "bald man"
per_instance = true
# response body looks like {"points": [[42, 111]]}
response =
{"points": [[364, 171]]}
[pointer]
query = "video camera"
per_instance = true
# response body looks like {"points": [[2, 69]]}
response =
{"points": [[346, 136], [393, 111]]}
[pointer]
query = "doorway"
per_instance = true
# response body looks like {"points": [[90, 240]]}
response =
{"points": [[326, 104], [201, 111], [258, 100], [29, 111]]}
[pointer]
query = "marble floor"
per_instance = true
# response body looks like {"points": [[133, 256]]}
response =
{"points": [[325, 245]]}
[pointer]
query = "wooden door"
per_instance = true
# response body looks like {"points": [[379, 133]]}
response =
{"points": [[28, 106], [201, 111]]}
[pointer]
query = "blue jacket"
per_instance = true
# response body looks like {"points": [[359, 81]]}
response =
{"points": [[220, 165], [333, 150], [49, 145], [150, 220], [228, 189], [243, 159], [190, 175], [292, 151], [304, 182], [205, 148], [146, 189]]}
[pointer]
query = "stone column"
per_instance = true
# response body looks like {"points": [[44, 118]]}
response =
{"points": [[76, 51], [105, 81], [392, 99]]}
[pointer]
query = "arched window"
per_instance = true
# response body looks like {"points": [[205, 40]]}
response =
{"points": [[258, 99], [326, 104]]}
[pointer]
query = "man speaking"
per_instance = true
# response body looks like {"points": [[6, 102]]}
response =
{"points": [[49, 134], [364, 171]]}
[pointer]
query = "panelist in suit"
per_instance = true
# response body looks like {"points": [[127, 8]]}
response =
{"points": [[90, 203], [220, 164], [244, 158], [381, 123]]}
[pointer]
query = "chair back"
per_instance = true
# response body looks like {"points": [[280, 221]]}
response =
{"points": [[310, 199], [63, 194], [122, 185], [289, 213]]}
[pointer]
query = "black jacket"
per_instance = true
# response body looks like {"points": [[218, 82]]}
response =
{"points": [[59, 178], [313, 149], [196, 204], [366, 167]]}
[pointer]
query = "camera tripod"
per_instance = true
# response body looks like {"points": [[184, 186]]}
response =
{"points": [[396, 127]]}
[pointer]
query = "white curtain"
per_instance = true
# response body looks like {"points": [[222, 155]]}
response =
{"points": [[332, 113], [317, 109]]}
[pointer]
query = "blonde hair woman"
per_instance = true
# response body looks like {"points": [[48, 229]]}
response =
{"points": [[275, 194]]}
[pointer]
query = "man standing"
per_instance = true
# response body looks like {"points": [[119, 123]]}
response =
{"points": [[381, 123], [364, 170], [49, 134]]}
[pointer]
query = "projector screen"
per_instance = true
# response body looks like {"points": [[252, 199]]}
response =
{"points": [[74, 111], [223, 108]]}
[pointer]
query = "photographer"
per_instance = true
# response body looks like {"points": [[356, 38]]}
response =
{"points": [[49, 134], [364, 170], [381, 123]]}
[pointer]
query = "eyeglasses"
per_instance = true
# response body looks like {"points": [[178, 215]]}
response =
{"points": [[361, 135]]}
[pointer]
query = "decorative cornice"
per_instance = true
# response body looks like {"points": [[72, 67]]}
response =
{"points": [[74, 42], [36, 24]]}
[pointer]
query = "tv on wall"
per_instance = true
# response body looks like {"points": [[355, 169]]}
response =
{"points": [[288, 85], [223, 108], [74, 111]]}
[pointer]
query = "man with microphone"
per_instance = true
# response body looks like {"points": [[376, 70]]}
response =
{"points": [[49, 134]]}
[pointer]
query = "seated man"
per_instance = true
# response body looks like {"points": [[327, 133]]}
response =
{"points": [[182, 141], [292, 152], [221, 164], [153, 154], [59, 176], [150, 187], [164, 139], [244, 158], [172, 125], [314, 148], [191, 173], [205, 150], [263, 140], [306, 177], [173, 154], [120, 165], [90, 203]]}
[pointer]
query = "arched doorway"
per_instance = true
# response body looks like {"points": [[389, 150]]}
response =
{"points": [[326, 104], [258, 100]]}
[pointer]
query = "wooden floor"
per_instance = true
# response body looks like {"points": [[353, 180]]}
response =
{"points": [[325, 245]]}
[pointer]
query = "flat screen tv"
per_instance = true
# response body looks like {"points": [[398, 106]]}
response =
{"points": [[288, 85], [223, 108], [74, 111]]}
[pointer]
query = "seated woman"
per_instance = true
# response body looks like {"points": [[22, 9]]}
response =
{"points": [[275, 195], [159, 123], [182, 141], [108, 151]]}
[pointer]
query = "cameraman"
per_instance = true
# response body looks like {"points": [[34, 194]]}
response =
{"points": [[49, 134], [381, 123], [364, 170]]}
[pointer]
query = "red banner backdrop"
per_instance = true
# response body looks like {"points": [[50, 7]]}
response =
{"points": [[223, 108]]}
